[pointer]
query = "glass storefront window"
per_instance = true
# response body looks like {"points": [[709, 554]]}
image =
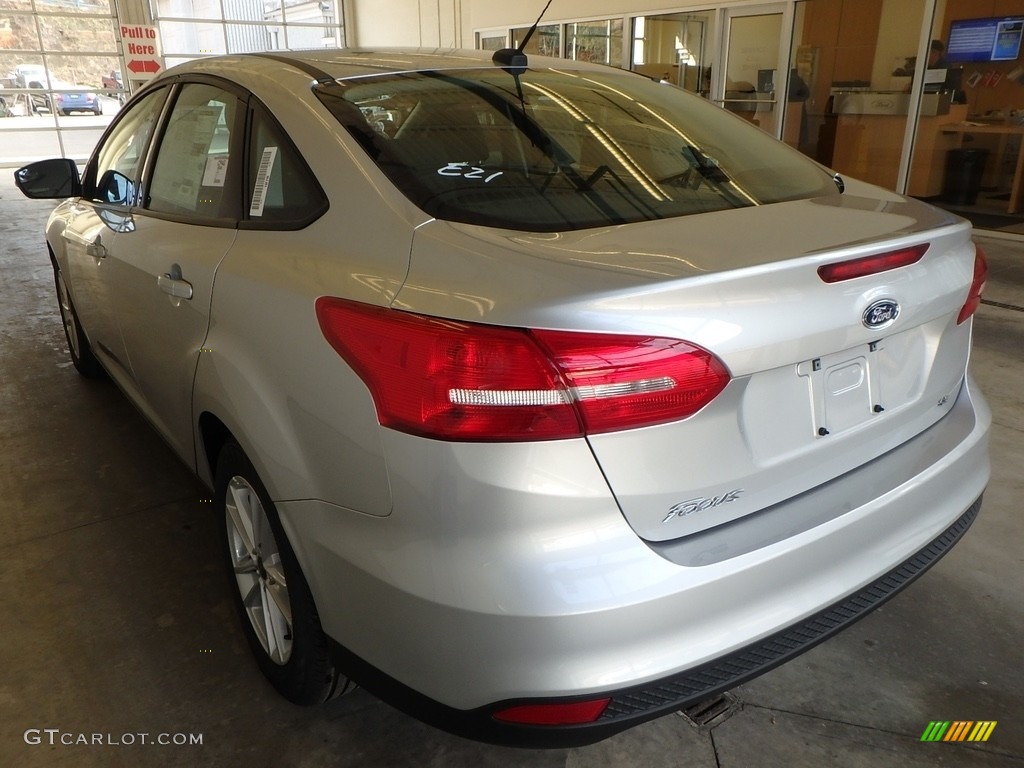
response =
{"points": [[61, 77], [596, 41], [492, 42], [245, 10], [675, 47], [71, 33], [18, 32], [70, 7], [191, 28], [192, 38], [546, 40], [55, 59], [242, 38]]}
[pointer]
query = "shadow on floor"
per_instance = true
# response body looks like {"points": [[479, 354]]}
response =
{"points": [[988, 212]]}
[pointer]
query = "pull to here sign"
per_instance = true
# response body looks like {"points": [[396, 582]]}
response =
{"points": [[141, 51]]}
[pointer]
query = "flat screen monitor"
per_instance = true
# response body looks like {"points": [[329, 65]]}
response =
{"points": [[991, 39], [934, 80]]}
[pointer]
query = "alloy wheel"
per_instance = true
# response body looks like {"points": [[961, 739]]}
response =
{"points": [[67, 314], [259, 574]]}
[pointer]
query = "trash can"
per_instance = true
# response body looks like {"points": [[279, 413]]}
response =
{"points": [[963, 175]]}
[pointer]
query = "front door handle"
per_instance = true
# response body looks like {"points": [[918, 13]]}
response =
{"points": [[174, 285], [96, 249]]}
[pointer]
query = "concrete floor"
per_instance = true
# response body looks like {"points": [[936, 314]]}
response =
{"points": [[115, 616]]}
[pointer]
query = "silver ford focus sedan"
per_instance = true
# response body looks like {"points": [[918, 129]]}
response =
{"points": [[538, 398]]}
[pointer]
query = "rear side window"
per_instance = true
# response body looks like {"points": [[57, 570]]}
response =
{"points": [[193, 175], [563, 150], [281, 191]]}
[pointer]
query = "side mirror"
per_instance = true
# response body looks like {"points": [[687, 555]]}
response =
{"points": [[49, 179], [115, 188]]}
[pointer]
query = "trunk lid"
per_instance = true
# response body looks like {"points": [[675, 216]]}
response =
{"points": [[815, 391]]}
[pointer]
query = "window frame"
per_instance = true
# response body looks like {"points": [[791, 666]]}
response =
{"points": [[89, 176], [241, 142], [247, 222]]}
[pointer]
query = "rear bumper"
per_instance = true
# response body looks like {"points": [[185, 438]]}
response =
{"points": [[507, 575], [634, 705]]}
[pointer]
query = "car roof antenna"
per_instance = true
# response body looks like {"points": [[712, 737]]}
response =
{"points": [[513, 59]]}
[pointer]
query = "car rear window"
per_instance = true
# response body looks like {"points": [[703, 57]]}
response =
{"points": [[579, 149]]}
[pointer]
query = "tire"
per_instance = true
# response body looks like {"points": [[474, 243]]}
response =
{"points": [[277, 611], [78, 345]]}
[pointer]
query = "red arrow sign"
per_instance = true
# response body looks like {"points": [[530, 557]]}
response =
{"points": [[144, 65]]}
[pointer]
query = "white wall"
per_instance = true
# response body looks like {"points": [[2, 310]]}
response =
{"points": [[452, 23], [446, 23], [427, 23], [522, 13]]}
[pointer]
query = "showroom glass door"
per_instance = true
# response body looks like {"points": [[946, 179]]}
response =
{"points": [[968, 150], [858, 59], [754, 74]]}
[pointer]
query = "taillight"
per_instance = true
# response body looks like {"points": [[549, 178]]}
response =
{"points": [[634, 381], [871, 265], [464, 381], [977, 286]]}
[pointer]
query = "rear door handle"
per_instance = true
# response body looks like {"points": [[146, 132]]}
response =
{"points": [[173, 284]]}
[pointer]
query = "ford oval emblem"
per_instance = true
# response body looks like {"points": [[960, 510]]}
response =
{"points": [[881, 313]]}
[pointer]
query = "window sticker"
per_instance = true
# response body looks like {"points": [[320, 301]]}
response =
{"points": [[259, 192], [216, 172], [467, 171], [188, 140]]}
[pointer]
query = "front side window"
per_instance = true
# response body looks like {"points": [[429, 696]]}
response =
{"points": [[113, 175], [579, 149], [194, 174]]}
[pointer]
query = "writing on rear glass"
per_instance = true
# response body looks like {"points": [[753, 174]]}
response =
{"points": [[467, 171]]}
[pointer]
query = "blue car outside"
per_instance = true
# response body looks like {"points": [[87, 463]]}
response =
{"points": [[68, 101]]}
